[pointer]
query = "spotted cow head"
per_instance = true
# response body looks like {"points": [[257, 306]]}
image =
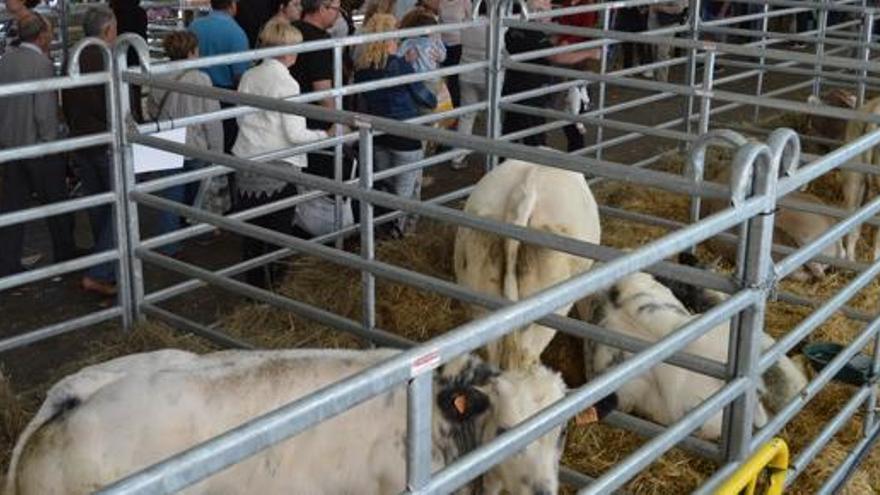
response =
{"points": [[476, 403]]}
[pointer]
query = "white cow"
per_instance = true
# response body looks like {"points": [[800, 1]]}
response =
{"points": [[541, 198], [115, 418], [858, 188], [640, 306], [791, 227]]}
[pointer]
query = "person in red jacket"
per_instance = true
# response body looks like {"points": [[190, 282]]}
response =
{"points": [[584, 19]]}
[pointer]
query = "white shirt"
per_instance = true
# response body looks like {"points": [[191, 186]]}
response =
{"points": [[265, 131]]}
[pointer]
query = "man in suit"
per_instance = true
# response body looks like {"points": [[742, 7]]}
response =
{"points": [[30, 119]]}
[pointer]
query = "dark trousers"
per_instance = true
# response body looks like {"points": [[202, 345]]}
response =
{"points": [[44, 177], [280, 221], [230, 130], [804, 21], [230, 134], [632, 20], [573, 138], [93, 165], [514, 122], [453, 57]]}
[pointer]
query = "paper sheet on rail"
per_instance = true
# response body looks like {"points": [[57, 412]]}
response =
{"points": [[147, 159]]}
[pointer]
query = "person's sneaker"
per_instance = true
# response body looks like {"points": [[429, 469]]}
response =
{"points": [[90, 284], [30, 261]]}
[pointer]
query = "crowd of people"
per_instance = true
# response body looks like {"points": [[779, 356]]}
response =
{"points": [[233, 27]]}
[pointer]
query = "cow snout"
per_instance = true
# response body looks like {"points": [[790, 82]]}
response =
{"points": [[543, 490]]}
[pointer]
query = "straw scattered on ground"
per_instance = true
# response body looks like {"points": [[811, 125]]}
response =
{"points": [[420, 315]]}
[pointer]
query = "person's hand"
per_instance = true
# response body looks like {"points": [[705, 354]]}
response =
{"points": [[435, 54], [337, 128]]}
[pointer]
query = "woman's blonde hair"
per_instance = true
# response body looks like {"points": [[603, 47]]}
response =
{"points": [[278, 32], [378, 7], [375, 54]]}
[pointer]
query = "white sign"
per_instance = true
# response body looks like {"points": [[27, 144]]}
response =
{"points": [[149, 159]]}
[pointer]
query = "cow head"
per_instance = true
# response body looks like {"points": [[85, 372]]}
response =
{"points": [[828, 127], [695, 298], [476, 403]]}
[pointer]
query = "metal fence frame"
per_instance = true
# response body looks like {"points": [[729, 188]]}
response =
{"points": [[756, 190]]}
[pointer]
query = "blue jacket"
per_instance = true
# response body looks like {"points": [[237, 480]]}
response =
{"points": [[401, 102], [218, 33]]}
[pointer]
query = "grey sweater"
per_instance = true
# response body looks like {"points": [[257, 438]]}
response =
{"points": [[207, 136]]}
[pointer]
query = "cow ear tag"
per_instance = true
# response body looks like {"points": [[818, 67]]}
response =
{"points": [[460, 403]]}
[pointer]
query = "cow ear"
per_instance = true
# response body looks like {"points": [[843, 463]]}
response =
{"points": [[462, 403]]}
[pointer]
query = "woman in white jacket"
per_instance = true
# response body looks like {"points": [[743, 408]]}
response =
{"points": [[266, 131]]}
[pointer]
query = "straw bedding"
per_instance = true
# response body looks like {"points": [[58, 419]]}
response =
{"points": [[419, 315]]}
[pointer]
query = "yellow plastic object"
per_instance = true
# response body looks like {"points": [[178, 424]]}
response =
{"points": [[773, 456]]}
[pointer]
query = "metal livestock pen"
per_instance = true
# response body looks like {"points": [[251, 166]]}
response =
{"points": [[755, 192]]}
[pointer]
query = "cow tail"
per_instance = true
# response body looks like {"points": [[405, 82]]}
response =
{"points": [[62, 398], [12, 474], [520, 207]]}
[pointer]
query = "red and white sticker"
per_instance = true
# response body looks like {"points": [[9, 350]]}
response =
{"points": [[425, 363]]}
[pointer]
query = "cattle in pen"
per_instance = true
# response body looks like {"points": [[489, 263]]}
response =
{"points": [[791, 227], [112, 419], [640, 306], [541, 198], [858, 188]]}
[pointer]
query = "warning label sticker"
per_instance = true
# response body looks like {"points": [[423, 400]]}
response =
{"points": [[425, 363]]}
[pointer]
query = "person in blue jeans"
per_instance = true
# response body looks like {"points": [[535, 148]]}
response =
{"points": [[85, 109], [170, 105], [406, 101]]}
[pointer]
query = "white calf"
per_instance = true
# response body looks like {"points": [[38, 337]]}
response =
{"points": [[115, 418], [541, 198], [858, 188], [793, 228], [642, 307]]}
